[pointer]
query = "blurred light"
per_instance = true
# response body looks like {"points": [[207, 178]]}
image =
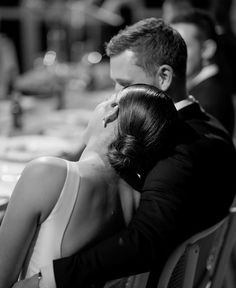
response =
{"points": [[94, 57], [10, 178], [49, 58]]}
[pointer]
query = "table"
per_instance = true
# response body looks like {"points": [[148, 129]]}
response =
{"points": [[46, 131]]}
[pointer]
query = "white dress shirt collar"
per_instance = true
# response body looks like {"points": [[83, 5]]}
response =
{"points": [[183, 103]]}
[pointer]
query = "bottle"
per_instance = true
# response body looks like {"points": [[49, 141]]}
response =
{"points": [[16, 111]]}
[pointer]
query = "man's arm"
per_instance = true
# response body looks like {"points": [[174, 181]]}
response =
{"points": [[145, 243]]}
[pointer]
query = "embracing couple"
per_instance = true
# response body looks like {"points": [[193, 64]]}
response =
{"points": [[152, 163]]}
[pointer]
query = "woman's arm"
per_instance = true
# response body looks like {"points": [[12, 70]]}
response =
{"points": [[32, 200]]}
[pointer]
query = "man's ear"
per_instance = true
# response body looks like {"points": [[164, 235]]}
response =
{"points": [[208, 49], [164, 77]]}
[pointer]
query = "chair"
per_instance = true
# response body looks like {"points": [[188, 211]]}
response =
{"points": [[192, 264], [134, 281], [191, 261], [200, 262], [227, 249]]}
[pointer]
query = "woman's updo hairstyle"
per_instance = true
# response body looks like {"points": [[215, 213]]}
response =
{"points": [[145, 130]]}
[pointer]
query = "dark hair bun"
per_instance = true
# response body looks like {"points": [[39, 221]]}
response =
{"points": [[124, 153], [144, 130]]}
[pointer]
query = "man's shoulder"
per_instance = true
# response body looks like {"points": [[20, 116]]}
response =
{"points": [[199, 147], [202, 122]]}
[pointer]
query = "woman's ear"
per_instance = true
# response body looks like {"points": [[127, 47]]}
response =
{"points": [[208, 49], [164, 77]]}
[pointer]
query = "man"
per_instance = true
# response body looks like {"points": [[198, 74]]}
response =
{"points": [[183, 194], [207, 78]]}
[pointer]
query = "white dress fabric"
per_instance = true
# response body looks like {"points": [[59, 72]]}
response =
{"points": [[47, 242]]}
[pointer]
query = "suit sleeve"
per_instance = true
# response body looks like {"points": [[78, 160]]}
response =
{"points": [[147, 239]]}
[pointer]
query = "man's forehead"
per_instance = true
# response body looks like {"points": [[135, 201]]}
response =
{"points": [[122, 63], [125, 71], [125, 55]]}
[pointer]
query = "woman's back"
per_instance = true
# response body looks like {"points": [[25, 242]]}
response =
{"points": [[90, 207], [101, 203]]}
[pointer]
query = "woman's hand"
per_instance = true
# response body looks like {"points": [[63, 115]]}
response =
{"points": [[32, 282]]}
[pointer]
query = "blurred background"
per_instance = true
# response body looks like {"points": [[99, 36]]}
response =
{"points": [[68, 27], [67, 38], [72, 27], [54, 71]]}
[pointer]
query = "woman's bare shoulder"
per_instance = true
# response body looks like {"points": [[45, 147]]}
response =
{"points": [[42, 180], [42, 164], [47, 168]]}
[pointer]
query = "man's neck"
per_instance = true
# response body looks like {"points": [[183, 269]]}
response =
{"points": [[178, 93]]}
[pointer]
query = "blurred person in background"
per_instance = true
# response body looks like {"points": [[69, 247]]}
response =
{"points": [[207, 79], [221, 12], [178, 191], [59, 207]]}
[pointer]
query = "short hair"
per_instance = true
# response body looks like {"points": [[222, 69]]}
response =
{"points": [[199, 18], [145, 132], [154, 43]]}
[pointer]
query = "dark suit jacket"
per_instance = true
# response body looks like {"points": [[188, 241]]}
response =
{"points": [[215, 96], [183, 194]]}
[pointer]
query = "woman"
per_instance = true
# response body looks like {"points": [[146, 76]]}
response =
{"points": [[59, 207]]}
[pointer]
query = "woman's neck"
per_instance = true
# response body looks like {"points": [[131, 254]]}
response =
{"points": [[96, 148]]}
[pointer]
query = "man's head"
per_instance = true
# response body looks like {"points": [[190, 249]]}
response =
{"points": [[198, 30], [149, 52]]}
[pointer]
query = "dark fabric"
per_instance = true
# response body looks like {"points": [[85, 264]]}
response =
{"points": [[226, 57], [215, 96], [183, 194]]}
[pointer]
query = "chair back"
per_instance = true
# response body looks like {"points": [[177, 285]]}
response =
{"points": [[226, 252], [200, 262], [133, 281], [192, 264]]}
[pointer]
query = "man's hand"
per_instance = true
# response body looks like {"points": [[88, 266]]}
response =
{"points": [[32, 282]]}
